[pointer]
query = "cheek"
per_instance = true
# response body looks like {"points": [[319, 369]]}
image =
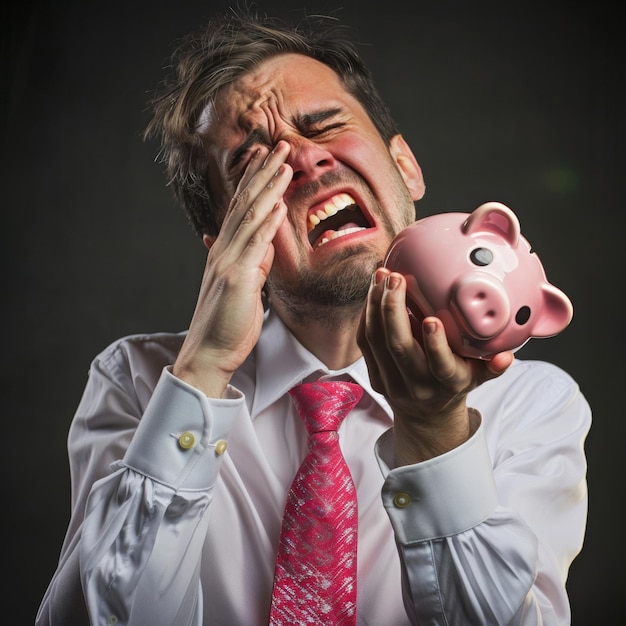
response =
{"points": [[369, 156], [359, 152], [371, 159]]}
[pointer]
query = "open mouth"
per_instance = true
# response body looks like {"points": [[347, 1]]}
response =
{"points": [[339, 216]]}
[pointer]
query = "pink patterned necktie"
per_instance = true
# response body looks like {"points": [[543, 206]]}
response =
{"points": [[315, 576]]}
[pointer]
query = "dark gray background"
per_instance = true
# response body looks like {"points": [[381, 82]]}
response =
{"points": [[517, 102]]}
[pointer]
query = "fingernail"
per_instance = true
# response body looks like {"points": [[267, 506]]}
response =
{"points": [[392, 281], [430, 327]]}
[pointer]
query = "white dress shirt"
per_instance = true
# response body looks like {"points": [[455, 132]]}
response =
{"points": [[177, 498]]}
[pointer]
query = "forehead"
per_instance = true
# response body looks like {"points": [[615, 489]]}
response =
{"points": [[281, 87], [287, 75]]}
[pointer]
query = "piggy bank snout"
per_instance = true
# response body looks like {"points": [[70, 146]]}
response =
{"points": [[481, 306]]}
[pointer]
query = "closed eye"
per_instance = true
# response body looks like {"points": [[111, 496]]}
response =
{"points": [[318, 122], [311, 133]]}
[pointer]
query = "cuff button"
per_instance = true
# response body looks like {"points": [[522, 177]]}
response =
{"points": [[220, 447], [186, 440], [402, 499]]}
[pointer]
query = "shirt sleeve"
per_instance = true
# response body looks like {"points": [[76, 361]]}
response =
{"points": [[142, 479], [486, 532]]}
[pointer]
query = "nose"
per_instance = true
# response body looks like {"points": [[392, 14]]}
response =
{"points": [[308, 159], [482, 303]]}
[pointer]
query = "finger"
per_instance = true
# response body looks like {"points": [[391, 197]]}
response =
{"points": [[250, 252], [499, 363], [262, 163], [442, 361], [402, 347], [260, 250], [370, 329], [259, 222], [230, 223], [261, 186]]}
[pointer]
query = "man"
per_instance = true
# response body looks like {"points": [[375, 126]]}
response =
{"points": [[184, 447]]}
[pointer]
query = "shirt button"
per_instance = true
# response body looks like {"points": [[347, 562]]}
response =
{"points": [[112, 619], [402, 499], [220, 447], [186, 440]]}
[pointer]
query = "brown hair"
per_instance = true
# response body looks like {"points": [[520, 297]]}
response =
{"points": [[217, 55]]}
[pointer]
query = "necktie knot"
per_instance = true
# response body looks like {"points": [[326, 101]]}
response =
{"points": [[322, 405]]}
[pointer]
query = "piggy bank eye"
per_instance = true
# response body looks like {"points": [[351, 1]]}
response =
{"points": [[522, 315], [481, 256]]}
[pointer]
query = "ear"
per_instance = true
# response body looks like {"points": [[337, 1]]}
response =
{"points": [[556, 314], [208, 241], [495, 218], [408, 166]]}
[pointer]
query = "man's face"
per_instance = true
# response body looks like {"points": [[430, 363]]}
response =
{"points": [[349, 194]]}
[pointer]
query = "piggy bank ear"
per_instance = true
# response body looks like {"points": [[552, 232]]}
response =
{"points": [[495, 218], [556, 314]]}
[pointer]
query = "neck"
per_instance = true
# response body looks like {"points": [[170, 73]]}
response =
{"points": [[332, 339]]}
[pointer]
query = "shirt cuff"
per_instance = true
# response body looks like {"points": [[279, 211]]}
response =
{"points": [[182, 436], [443, 496]]}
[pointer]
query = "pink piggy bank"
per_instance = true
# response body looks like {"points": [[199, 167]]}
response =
{"points": [[478, 274]]}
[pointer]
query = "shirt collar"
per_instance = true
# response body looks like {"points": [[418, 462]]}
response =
{"points": [[282, 362]]}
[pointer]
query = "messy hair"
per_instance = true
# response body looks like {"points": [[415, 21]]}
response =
{"points": [[208, 60]]}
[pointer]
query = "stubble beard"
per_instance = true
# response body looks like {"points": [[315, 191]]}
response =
{"points": [[330, 298]]}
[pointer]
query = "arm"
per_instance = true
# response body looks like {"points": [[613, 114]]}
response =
{"points": [[491, 524], [133, 544], [496, 522], [128, 514]]}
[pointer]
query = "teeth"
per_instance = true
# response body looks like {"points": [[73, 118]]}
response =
{"points": [[337, 203], [339, 233]]}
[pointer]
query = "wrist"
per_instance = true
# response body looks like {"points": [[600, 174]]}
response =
{"points": [[416, 441], [210, 380]]}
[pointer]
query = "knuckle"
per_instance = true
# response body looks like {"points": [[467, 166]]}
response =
{"points": [[398, 350], [445, 373], [240, 198], [224, 273], [249, 214]]}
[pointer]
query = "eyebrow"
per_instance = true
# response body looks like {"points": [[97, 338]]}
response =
{"points": [[306, 120]]}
